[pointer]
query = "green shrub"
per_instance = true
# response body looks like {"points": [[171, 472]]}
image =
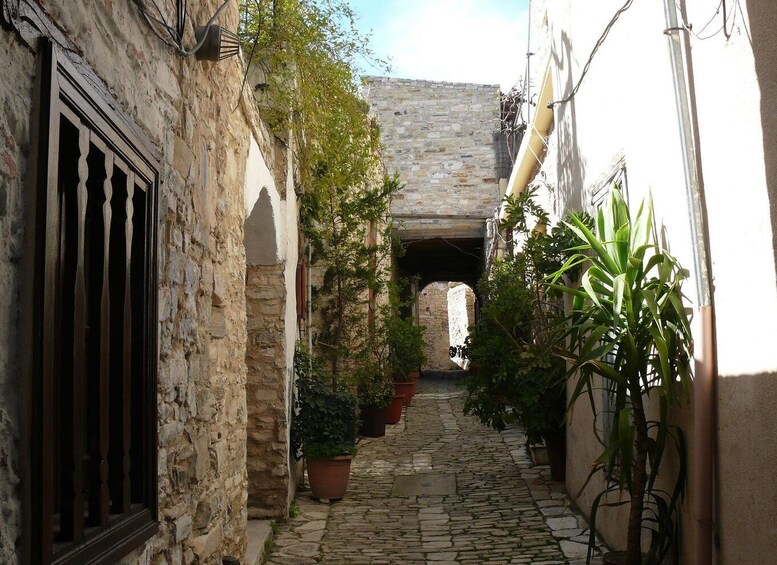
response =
{"points": [[324, 422]]}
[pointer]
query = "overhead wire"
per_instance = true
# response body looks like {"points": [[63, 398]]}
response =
{"points": [[598, 44], [744, 23], [726, 32], [712, 19], [248, 61]]}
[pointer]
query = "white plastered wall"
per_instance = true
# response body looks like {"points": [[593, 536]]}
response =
{"points": [[625, 107]]}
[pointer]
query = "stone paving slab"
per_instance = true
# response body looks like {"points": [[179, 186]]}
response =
{"points": [[502, 509]]}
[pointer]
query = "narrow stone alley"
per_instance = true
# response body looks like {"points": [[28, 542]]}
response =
{"points": [[439, 488]]}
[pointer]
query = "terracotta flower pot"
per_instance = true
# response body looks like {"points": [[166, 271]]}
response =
{"points": [[328, 478], [394, 411], [406, 389], [373, 421]]}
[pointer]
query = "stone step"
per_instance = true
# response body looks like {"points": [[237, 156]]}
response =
{"points": [[259, 533]]}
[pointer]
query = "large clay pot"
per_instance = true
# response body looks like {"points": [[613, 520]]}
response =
{"points": [[394, 411], [373, 421], [328, 478], [415, 376], [406, 389], [557, 458]]}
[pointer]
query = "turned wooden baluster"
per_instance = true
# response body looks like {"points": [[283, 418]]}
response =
{"points": [[127, 364], [72, 514], [103, 406]]}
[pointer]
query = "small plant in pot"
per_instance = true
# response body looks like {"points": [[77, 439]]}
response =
{"points": [[323, 428], [516, 376], [406, 351], [629, 329], [517, 379], [375, 390]]}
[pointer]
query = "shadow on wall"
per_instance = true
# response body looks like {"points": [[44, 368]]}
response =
{"points": [[747, 458], [571, 171], [763, 22], [259, 236]]}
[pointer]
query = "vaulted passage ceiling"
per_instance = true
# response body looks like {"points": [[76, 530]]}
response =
{"points": [[443, 259]]}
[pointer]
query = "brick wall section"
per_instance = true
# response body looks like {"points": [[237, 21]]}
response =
{"points": [[433, 313], [440, 137], [184, 108], [267, 436]]}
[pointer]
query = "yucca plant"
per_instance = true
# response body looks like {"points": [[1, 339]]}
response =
{"points": [[629, 329]]}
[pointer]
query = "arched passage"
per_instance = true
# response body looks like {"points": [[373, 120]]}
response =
{"points": [[446, 309], [436, 259], [444, 272]]}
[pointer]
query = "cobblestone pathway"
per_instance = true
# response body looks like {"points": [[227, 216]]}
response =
{"points": [[439, 488]]}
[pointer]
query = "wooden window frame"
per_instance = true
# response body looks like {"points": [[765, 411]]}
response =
{"points": [[62, 90]]}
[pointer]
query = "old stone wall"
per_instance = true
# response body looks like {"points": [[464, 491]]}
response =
{"points": [[15, 100], [441, 138], [266, 392], [433, 313], [184, 107], [271, 255]]}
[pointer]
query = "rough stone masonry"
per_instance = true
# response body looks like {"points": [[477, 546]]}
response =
{"points": [[183, 108], [443, 139]]}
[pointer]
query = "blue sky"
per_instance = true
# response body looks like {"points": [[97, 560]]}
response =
{"points": [[454, 40]]}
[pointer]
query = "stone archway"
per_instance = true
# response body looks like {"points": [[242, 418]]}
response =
{"points": [[446, 309]]}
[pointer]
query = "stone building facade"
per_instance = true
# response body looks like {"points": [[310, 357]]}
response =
{"points": [[214, 312], [443, 139]]}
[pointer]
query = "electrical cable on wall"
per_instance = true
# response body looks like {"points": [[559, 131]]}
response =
{"points": [[724, 26], [170, 35], [598, 44]]}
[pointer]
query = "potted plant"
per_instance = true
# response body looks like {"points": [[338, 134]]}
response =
{"points": [[375, 391], [629, 329], [517, 378], [406, 352], [393, 412], [514, 373], [323, 428]]}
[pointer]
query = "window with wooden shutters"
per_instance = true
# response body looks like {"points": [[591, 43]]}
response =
{"points": [[93, 487]]}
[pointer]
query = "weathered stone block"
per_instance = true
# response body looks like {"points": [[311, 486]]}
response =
{"points": [[206, 545], [182, 528], [201, 457]]}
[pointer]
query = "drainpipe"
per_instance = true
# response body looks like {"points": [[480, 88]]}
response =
{"points": [[703, 456]]}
